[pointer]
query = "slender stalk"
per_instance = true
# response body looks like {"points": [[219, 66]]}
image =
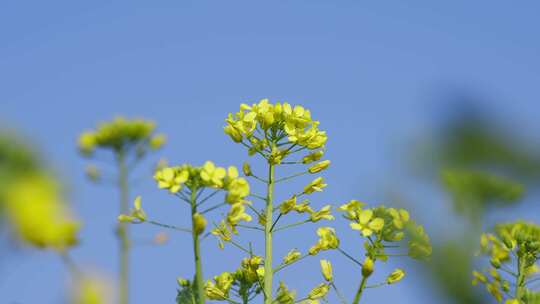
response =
{"points": [[290, 225], [123, 230], [360, 290], [199, 280], [520, 284], [349, 257], [168, 226], [340, 296], [268, 271]]}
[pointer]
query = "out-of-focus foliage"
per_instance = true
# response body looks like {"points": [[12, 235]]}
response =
{"points": [[450, 267], [472, 190], [474, 140], [481, 166]]}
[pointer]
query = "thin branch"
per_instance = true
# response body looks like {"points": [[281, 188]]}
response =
{"points": [[290, 225], [208, 197], [349, 257], [280, 267], [254, 210], [259, 179], [168, 226], [275, 222], [239, 246], [214, 207], [258, 196], [250, 227], [292, 176], [340, 296]]}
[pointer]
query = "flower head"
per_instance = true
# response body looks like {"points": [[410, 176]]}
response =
{"points": [[366, 223], [323, 214], [281, 124], [315, 186], [327, 240]]}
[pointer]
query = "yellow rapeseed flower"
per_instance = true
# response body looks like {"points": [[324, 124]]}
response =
{"points": [[366, 224], [324, 213], [315, 186]]}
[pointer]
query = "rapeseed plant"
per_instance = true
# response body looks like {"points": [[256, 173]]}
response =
{"points": [[129, 140]]}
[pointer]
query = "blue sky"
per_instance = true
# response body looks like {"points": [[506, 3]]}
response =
{"points": [[372, 73]]}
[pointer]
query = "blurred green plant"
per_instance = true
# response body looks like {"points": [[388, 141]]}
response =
{"points": [[129, 140]]}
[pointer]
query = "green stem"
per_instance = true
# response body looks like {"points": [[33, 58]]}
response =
{"points": [[520, 284], [360, 290], [123, 230], [199, 280], [268, 271]]}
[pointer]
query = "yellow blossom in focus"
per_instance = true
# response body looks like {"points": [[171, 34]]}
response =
{"points": [[212, 174], [292, 256], [366, 224], [171, 178], [324, 213], [288, 205], [315, 186], [237, 214], [327, 240], [237, 189]]}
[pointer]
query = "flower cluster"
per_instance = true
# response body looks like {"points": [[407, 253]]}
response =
{"points": [[175, 179], [121, 133], [382, 224], [327, 240], [267, 128], [246, 278], [511, 244]]}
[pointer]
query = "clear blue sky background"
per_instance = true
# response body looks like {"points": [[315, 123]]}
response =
{"points": [[371, 73]]}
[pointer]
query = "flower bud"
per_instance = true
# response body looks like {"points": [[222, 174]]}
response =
{"points": [[199, 223], [367, 267], [318, 167], [326, 270], [182, 282], [395, 276], [247, 169]]}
